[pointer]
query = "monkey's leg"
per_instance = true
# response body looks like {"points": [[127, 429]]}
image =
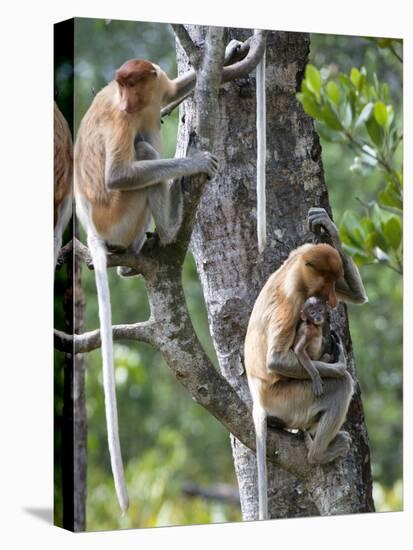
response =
{"points": [[164, 199], [166, 203], [301, 353], [124, 271], [64, 215], [325, 446]]}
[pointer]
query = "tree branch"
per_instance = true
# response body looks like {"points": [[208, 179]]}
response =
{"points": [[145, 263], [242, 58], [191, 49], [245, 66], [88, 341]]}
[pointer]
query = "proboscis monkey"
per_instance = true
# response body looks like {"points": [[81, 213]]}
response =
{"points": [[120, 183], [63, 176], [280, 387]]}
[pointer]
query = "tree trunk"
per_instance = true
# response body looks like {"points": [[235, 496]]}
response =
{"points": [[224, 245], [74, 429]]}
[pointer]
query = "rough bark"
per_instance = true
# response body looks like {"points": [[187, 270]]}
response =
{"points": [[79, 407], [224, 245], [74, 429]]}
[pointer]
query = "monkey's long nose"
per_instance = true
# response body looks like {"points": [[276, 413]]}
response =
{"points": [[332, 298]]}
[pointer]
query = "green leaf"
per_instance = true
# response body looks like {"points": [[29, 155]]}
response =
{"points": [[355, 76], [330, 118], [310, 106], [313, 78], [333, 92], [368, 225], [375, 131], [364, 115], [353, 228], [372, 92], [390, 114], [358, 255], [329, 135], [362, 83], [390, 197], [372, 240], [344, 79], [380, 113], [393, 233], [305, 89], [348, 116]]}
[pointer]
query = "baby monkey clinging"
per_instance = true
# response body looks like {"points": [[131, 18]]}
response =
{"points": [[308, 343]]}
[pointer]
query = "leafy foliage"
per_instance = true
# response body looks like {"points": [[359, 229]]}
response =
{"points": [[376, 328], [355, 109]]}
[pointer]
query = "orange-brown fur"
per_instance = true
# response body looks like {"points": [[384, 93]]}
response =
{"points": [[63, 161], [106, 134], [276, 312]]}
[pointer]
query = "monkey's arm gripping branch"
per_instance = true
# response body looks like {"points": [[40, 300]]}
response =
{"points": [[240, 59], [242, 68], [349, 288]]}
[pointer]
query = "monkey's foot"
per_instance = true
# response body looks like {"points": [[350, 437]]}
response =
{"points": [[152, 240], [124, 271], [337, 448]]}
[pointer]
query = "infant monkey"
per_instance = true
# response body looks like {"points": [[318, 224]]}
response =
{"points": [[308, 343]]}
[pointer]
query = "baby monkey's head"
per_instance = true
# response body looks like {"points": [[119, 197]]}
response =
{"points": [[314, 310]]}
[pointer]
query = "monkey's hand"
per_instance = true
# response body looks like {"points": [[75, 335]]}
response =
{"points": [[326, 358], [231, 51], [320, 223], [205, 163], [317, 386]]}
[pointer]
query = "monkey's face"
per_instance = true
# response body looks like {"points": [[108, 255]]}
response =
{"points": [[136, 81], [314, 310], [321, 268]]}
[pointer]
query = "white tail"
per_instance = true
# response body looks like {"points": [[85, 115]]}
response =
{"points": [[260, 423], [261, 154], [98, 252]]}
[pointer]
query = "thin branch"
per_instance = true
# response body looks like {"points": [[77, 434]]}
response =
{"points": [[142, 332], [247, 65], [144, 263], [64, 254], [221, 492], [240, 59], [396, 55], [191, 49], [63, 342], [89, 341], [166, 111]]}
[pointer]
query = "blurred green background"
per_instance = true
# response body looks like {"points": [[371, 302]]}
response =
{"points": [[168, 441]]}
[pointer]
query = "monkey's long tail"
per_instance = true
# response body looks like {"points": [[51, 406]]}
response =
{"points": [[98, 253], [260, 425], [261, 154]]}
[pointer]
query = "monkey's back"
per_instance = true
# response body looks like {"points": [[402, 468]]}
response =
{"points": [[117, 216], [63, 160]]}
